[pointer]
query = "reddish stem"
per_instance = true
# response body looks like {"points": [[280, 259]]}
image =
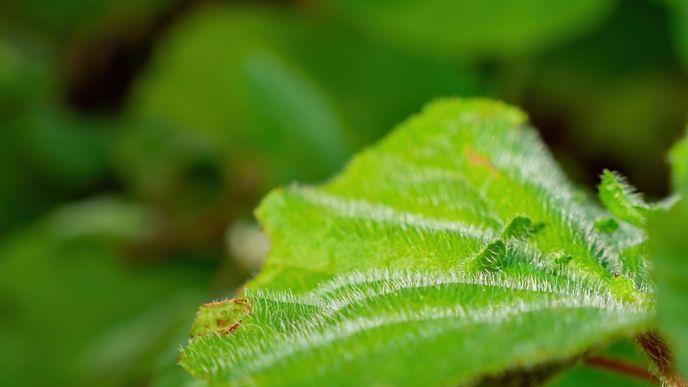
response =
{"points": [[661, 356], [621, 367]]}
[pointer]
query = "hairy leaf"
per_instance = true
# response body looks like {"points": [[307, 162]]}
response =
{"points": [[622, 199], [454, 251]]}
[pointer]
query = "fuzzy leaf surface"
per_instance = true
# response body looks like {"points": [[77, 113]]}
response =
{"points": [[452, 252]]}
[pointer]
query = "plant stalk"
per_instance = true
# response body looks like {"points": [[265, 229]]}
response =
{"points": [[660, 354], [621, 367]]}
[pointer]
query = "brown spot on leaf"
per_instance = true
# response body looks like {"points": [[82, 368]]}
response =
{"points": [[221, 317], [479, 160], [237, 301], [231, 328]]}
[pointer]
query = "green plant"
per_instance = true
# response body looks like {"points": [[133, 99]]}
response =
{"points": [[454, 251]]}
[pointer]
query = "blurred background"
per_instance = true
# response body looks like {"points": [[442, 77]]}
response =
{"points": [[137, 136]]}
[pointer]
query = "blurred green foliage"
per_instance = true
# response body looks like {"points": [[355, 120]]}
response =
{"points": [[669, 246], [134, 134], [73, 310], [475, 27]]}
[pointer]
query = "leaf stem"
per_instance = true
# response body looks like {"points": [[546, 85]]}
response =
{"points": [[621, 367], [660, 354]]}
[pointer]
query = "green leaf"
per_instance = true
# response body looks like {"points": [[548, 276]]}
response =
{"points": [[70, 15], [279, 95], [522, 227], [622, 199], [454, 251], [493, 27], [669, 246], [606, 225], [679, 167], [679, 10]]}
